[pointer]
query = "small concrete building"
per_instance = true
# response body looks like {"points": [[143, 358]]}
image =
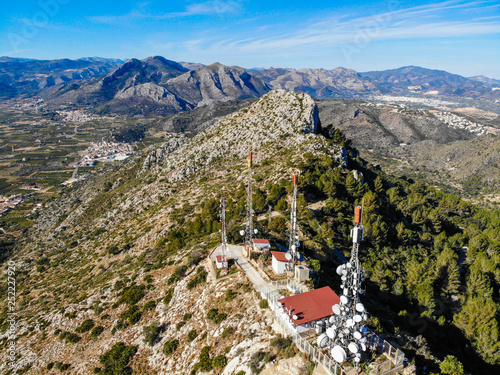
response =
{"points": [[221, 261], [301, 273], [260, 244], [305, 311], [279, 261]]}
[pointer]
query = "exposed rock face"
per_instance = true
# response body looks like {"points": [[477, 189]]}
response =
{"points": [[320, 83], [279, 117]]}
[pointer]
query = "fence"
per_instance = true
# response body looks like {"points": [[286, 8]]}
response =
{"points": [[395, 356]]}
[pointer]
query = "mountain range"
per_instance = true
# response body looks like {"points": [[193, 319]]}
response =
{"points": [[156, 85]]}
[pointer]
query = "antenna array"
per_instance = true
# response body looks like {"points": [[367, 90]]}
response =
{"points": [[293, 238], [223, 234], [249, 221]]}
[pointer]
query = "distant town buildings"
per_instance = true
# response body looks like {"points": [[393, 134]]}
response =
{"points": [[8, 203], [459, 122], [105, 151]]}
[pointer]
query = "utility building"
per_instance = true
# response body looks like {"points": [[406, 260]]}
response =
{"points": [[280, 262], [260, 244]]}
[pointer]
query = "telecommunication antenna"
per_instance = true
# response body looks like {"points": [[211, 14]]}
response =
{"points": [[293, 238], [223, 234], [249, 222], [345, 333]]}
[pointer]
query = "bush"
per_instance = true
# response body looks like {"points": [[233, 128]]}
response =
{"points": [[187, 316], [205, 363], [148, 279], [70, 337], [96, 331], [227, 332], [180, 325], [192, 335], [168, 296], [219, 361], [113, 249], [200, 278], [170, 347], [230, 294], [116, 360], [264, 304], [87, 325], [133, 315], [150, 305], [131, 295], [215, 316], [151, 333]]}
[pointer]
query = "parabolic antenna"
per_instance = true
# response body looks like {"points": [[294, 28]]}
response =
{"points": [[362, 346], [360, 307], [357, 335], [338, 354], [336, 309], [256, 231], [294, 247], [344, 300], [356, 359], [340, 269], [295, 317], [349, 323], [288, 256], [242, 232], [330, 332], [323, 340], [357, 318], [332, 319], [353, 348]]}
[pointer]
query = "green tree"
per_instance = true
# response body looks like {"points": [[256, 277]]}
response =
{"points": [[451, 366]]}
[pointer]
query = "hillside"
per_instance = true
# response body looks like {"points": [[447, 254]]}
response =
{"points": [[126, 252]]}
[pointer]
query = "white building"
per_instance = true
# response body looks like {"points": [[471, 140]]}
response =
{"points": [[279, 261], [221, 261], [260, 244]]}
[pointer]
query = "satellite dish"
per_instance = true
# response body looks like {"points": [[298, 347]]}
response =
{"points": [[344, 300], [356, 359], [294, 247], [255, 231], [349, 323], [296, 237], [362, 346], [346, 291], [330, 332], [338, 354], [323, 340], [288, 256], [339, 270], [360, 307], [348, 265], [357, 335], [353, 348], [332, 319], [357, 318], [336, 309], [344, 272], [295, 317], [242, 232]]}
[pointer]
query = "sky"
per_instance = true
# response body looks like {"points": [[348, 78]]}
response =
{"points": [[461, 37]]}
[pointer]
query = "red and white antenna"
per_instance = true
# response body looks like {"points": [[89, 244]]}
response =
{"points": [[223, 233]]}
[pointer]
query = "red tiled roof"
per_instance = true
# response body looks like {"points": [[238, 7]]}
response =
{"points": [[260, 241], [280, 256], [311, 306], [221, 258]]}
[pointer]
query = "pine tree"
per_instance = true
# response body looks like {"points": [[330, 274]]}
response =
{"points": [[379, 186]]}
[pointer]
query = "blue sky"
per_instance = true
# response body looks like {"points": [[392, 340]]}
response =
{"points": [[461, 37]]}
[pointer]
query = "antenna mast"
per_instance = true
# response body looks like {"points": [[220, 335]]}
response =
{"points": [[223, 234], [249, 223], [293, 239]]}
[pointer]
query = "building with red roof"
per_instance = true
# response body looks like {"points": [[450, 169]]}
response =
{"points": [[279, 261], [260, 244], [221, 261], [309, 307]]}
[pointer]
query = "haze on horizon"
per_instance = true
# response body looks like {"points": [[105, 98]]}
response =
{"points": [[461, 37]]}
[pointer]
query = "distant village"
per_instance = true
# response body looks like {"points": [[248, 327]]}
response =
{"points": [[105, 151], [8, 203], [455, 121]]}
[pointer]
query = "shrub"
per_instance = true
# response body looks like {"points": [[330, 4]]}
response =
{"points": [[64, 367], [133, 315], [192, 335], [180, 325], [200, 278], [131, 295], [187, 316], [113, 249], [148, 279], [116, 360], [205, 363], [151, 333], [215, 316], [170, 347], [70, 337], [150, 305], [87, 325], [96, 331], [264, 304], [230, 294], [227, 332], [219, 361], [168, 296], [50, 365]]}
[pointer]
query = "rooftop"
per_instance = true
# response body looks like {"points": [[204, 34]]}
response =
{"points": [[260, 241], [311, 306], [279, 255], [221, 258]]}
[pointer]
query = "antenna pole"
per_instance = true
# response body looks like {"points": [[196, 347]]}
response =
{"points": [[292, 241], [249, 222], [223, 234]]}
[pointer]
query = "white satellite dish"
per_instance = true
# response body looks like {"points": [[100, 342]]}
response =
{"points": [[296, 237], [255, 231], [340, 269], [330, 332], [344, 272], [349, 323], [323, 340], [344, 300], [295, 317], [360, 307], [346, 291], [357, 318], [288, 256], [332, 319], [362, 346], [348, 265], [353, 348], [357, 335], [339, 354], [336, 309], [294, 247], [356, 359], [242, 232]]}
